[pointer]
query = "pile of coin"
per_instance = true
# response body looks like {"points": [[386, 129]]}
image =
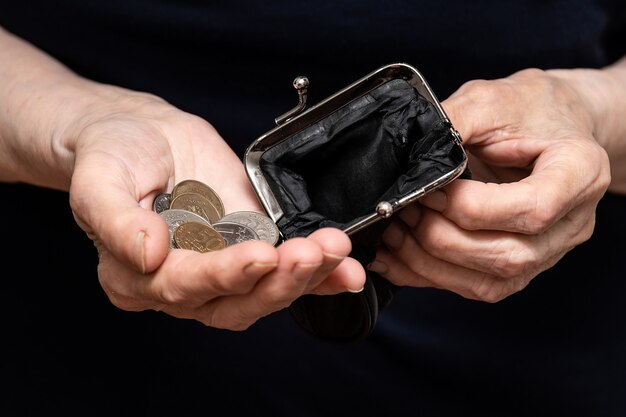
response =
{"points": [[196, 220]]}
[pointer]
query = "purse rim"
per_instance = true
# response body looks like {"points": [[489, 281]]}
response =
{"points": [[272, 138]]}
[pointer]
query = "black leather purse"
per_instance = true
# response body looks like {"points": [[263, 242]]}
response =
{"points": [[352, 161]]}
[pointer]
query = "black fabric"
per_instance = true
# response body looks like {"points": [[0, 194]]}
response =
{"points": [[348, 317], [379, 148], [556, 348]]}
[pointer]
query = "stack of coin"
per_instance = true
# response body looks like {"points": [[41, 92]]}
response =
{"points": [[196, 220]]}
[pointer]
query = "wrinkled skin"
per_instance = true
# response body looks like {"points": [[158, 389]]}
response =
{"points": [[115, 150], [537, 176]]}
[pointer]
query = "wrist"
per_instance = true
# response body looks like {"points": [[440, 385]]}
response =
{"points": [[35, 91], [602, 95]]}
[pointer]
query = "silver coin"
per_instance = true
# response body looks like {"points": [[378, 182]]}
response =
{"points": [[235, 232], [162, 202], [176, 217], [264, 227]]}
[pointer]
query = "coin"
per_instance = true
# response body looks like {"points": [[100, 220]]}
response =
{"points": [[198, 187], [196, 203], [198, 237], [235, 232], [264, 227], [192, 201], [162, 202], [175, 218]]}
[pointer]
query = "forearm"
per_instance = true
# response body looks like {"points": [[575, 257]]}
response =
{"points": [[604, 94], [38, 99]]}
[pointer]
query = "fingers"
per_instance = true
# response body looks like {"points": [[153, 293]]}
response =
{"points": [[529, 206], [345, 273], [299, 261], [410, 264], [186, 277], [413, 266], [349, 276], [388, 265], [233, 287], [427, 249], [304, 265]]}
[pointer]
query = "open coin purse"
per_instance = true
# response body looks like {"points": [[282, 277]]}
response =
{"points": [[352, 161]]}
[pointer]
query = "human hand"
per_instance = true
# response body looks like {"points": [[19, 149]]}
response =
{"points": [[115, 150], [129, 147], [538, 174]]}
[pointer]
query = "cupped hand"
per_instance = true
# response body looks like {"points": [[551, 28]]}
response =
{"points": [[538, 175], [130, 149]]}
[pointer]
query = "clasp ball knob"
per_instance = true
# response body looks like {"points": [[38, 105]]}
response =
{"points": [[384, 209], [301, 83]]}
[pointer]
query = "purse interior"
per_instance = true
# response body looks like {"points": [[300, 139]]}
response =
{"points": [[379, 147]]}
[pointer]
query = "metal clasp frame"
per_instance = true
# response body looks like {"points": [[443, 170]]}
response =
{"points": [[298, 118]]}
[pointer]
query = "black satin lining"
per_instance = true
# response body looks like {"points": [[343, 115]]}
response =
{"points": [[378, 148]]}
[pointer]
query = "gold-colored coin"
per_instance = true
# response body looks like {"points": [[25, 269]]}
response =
{"points": [[198, 187], [198, 204], [198, 237]]}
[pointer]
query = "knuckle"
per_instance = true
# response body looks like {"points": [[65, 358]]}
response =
{"points": [[235, 321], [488, 93], [538, 220], [493, 290], [587, 231], [476, 88], [515, 263], [473, 214], [275, 299], [537, 214], [195, 124], [172, 295], [488, 289]]}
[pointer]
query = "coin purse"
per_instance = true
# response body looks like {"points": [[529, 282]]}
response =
{"points": [[353, 161]]}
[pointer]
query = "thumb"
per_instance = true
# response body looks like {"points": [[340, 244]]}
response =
{"points": [[110, 213]]}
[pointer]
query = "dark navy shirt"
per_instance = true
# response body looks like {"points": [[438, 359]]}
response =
{"points": [[555, 348]]}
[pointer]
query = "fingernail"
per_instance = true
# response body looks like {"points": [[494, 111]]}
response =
{"points": [[378, 267], [393, 235], [355, 291], [258, 268], [304, 271], [436, 200], [140, 246], [335, 257]]}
